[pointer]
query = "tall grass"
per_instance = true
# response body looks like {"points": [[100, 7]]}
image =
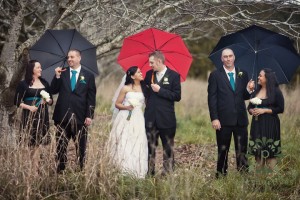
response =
{"points": [[23, 178]]}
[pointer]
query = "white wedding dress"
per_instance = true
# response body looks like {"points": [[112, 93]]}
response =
{"points": [[127, 144]]}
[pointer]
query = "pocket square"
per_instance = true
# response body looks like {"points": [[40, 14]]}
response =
{"points": [[82, 81], [166, 83]]}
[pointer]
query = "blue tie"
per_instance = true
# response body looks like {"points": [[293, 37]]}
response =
{"points": [[231, 80], [73, 79]]}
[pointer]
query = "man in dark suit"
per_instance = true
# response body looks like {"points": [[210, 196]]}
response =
{"points": [[228, 88], [74, 108], [162, 90]]}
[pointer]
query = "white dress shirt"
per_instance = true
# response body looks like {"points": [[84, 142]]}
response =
{"points": [[161, 74], [227, 71], [77, 74]]}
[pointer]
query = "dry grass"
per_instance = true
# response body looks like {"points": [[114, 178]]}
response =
{"points": [[29, 175]]}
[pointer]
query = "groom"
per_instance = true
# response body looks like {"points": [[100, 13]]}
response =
{"points": [[162, 90], [74, 108]]}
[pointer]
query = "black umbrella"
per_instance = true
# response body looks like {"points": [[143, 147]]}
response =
{"points": [[52, 48], [256, 48]]}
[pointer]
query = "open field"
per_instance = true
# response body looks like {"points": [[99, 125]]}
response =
{"points": [[28, 175]]}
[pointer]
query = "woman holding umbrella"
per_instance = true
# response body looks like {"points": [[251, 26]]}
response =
{"points": [[264, 141]]}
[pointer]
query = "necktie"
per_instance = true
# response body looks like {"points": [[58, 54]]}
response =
{"points": [[231, 80], [73, 79]]}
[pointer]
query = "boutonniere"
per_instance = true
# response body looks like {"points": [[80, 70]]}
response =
{"points": [[166, 81], [240, 74], [82, 79]]}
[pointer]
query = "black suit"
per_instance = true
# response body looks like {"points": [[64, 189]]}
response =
{"points": [[72, 107], [229, 108], [160, 120]]}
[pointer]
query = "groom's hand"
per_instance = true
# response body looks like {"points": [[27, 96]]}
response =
{"points": [[155, 87], [87, 121], [216, 124], [251, 86], [58, 71]]}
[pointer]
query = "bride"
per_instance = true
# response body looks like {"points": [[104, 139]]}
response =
{"points": [[127, 144]]}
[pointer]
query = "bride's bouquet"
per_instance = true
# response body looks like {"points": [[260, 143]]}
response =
{"points": [[134, 103]]}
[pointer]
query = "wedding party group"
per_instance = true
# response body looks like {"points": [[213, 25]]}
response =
{"points": [[145, 111]]}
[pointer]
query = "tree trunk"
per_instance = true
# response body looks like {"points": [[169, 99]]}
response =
{"points": [[8, 69]]}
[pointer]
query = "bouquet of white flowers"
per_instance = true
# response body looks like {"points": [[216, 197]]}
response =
{"points": [[45, 95], [134, 103], [256, 101]]}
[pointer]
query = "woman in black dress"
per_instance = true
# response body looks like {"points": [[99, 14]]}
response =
{"points": [[264, 141], [35, 116]]}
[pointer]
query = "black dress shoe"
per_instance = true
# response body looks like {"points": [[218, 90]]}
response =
{"points": [[220, 175], [60, 168]]}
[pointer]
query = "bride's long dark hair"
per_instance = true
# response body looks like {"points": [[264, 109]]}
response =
{"points": [[130, 72]]}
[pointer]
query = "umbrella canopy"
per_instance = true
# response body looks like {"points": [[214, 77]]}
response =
{"points": [[51, 50], [256, 48], [136, 49]]}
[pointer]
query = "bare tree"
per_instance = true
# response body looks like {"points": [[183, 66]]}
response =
{"points": [[107, 22]]}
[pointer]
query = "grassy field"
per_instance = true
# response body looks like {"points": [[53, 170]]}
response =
{"points": [[28, 174]]}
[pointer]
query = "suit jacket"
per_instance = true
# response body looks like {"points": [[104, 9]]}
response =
{"points": [[225, 104], [159, 109], [80, 102]]}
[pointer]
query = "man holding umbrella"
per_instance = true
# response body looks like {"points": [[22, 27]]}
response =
{"points": [[228, 88], [74, 109]]}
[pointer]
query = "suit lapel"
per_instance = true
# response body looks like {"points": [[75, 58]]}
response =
{"points": [[81, 74], [68, 78], [237, 79], [225, 77], [165, 76]]}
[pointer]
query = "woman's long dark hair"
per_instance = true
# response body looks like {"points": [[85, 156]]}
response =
{"points": [[271, 84], [130, 72], [29, 72]]}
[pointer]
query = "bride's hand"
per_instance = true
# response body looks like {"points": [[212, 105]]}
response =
{"points": [[130, 107]]}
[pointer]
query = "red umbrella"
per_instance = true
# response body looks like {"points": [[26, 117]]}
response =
{"points": [[136, 48]]}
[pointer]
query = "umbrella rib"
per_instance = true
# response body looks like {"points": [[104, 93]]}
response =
{"points": [[147, 46], [141, 53], [228, 46], [189, 56], [154, 39], [280, 68], [72, 38], [46, 52], [57, 42], [143, 65], [175, 68], [176, 36], [247, 41]]}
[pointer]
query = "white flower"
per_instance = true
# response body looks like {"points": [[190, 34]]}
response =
{"points": [[256, 101], [45, 95], [133, 102]]}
